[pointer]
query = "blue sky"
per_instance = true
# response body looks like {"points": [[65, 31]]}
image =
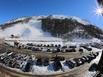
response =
{"points": [[11, 9]]}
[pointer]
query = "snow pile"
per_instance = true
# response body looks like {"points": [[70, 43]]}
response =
{"points": [[46, 70], [43, 70]]}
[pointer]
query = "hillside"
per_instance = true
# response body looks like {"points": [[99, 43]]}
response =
{"points": [[64, 27], [69, 27]]}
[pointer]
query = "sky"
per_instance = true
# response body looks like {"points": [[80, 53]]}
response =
{"points": [[85, 9]]}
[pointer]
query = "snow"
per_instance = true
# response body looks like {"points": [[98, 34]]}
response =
{"points": [[37, 40], [59, 16], [78, 41], [45, 70], [32, 32], [52, 16], [71, 17], [14, 20], [78, 29], [81, 20], [49, 69], [96, 40], [42, 69], [90, 74], [29, 32], [31, 29], [98, 58]]}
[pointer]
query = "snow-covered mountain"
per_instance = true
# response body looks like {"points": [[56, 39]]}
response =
{"points": [[57, 26]]}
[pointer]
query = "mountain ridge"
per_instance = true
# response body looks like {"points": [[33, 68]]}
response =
{"points": [[64, 27]]}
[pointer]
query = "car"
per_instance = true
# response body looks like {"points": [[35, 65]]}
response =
{"points": [[39, 62], [81, 50], [70, 50], [72, 46], [27, 67], [46, 62], [93, 67], [85, 59], [78, 61], [70, 64], [96, 54], [64, 47], [57, 65], [91, 57], [87, 48]]}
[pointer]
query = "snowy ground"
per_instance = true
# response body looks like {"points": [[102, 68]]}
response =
{"points": [[49, 69], [31, 29], [90, 73]]}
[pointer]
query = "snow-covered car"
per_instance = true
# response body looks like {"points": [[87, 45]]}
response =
{"points": [[70, 63]]}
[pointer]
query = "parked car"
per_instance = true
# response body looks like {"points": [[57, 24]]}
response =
{"points": [[70, 64], [57, 65]]}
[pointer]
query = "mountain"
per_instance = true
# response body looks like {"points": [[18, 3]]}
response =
{"points": [[65, 27]]}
